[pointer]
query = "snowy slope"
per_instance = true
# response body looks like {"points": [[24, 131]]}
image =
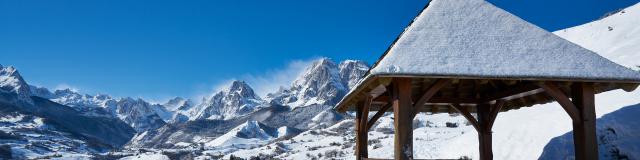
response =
{"points": [[250, 133], [615, 37], [618, 135]]}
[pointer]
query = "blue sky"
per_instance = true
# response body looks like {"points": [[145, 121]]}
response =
{"points": [[159, 49]]}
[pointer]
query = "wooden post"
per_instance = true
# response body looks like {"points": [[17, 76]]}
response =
{"points": [[403, 118], [487, 114], [584, 130], [581, 109], [484, 132], [357, 123], [364, 131]]}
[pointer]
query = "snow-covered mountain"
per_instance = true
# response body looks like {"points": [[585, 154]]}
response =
{"points": [[289, 117], [324, 82], [138, 113], [141, 115], [235, 100], [12, 81]]}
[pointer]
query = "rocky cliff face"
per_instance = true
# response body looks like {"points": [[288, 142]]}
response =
{"points": [[324, 82], [12, 82]]}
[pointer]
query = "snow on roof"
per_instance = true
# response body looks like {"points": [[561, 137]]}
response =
{"points": [[473, 38]]}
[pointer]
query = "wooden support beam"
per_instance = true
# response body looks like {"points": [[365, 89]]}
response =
{"points": [[495, 109], [487, 114], [403, 119], [465, 113], [436, 100], [378, 115], [431, 91], [484, 134], [363, 132], [357, 121], [514, 92], [584, 130], [554, 91]]}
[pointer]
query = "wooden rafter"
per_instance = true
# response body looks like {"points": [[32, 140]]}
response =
{"points": [[495, 109], [465, 113], [554, 91], [378, 115], [436, 100], [431, 92], [518, 91]]}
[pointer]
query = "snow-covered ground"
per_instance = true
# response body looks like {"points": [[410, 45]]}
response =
{"points": [[517, 134], [147, 156]]}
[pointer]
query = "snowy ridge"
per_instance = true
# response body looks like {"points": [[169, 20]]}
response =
{"points": [[615, 37]]}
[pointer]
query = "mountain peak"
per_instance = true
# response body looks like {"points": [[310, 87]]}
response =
{"points": [[241, 88], [238, 99], [12, 81], [323, 82]]}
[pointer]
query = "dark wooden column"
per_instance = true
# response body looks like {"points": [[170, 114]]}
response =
{"points": [[403, 118], [363, 131], [487, 114], [584, 130], [581, 109], [357, 126], [484, 132]]}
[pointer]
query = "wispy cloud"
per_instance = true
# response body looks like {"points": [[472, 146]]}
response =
{"points": [[266, 82], [271, 80]]}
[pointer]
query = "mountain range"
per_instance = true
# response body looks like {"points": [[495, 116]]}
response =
{"points": [[179, 123]]}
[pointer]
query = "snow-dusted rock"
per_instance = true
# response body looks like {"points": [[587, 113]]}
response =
{"points": [[324, 82], [236, 100], [140, 114], [12, 82]]}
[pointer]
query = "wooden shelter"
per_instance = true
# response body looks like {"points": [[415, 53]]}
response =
{"points": [[468, 56]]}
